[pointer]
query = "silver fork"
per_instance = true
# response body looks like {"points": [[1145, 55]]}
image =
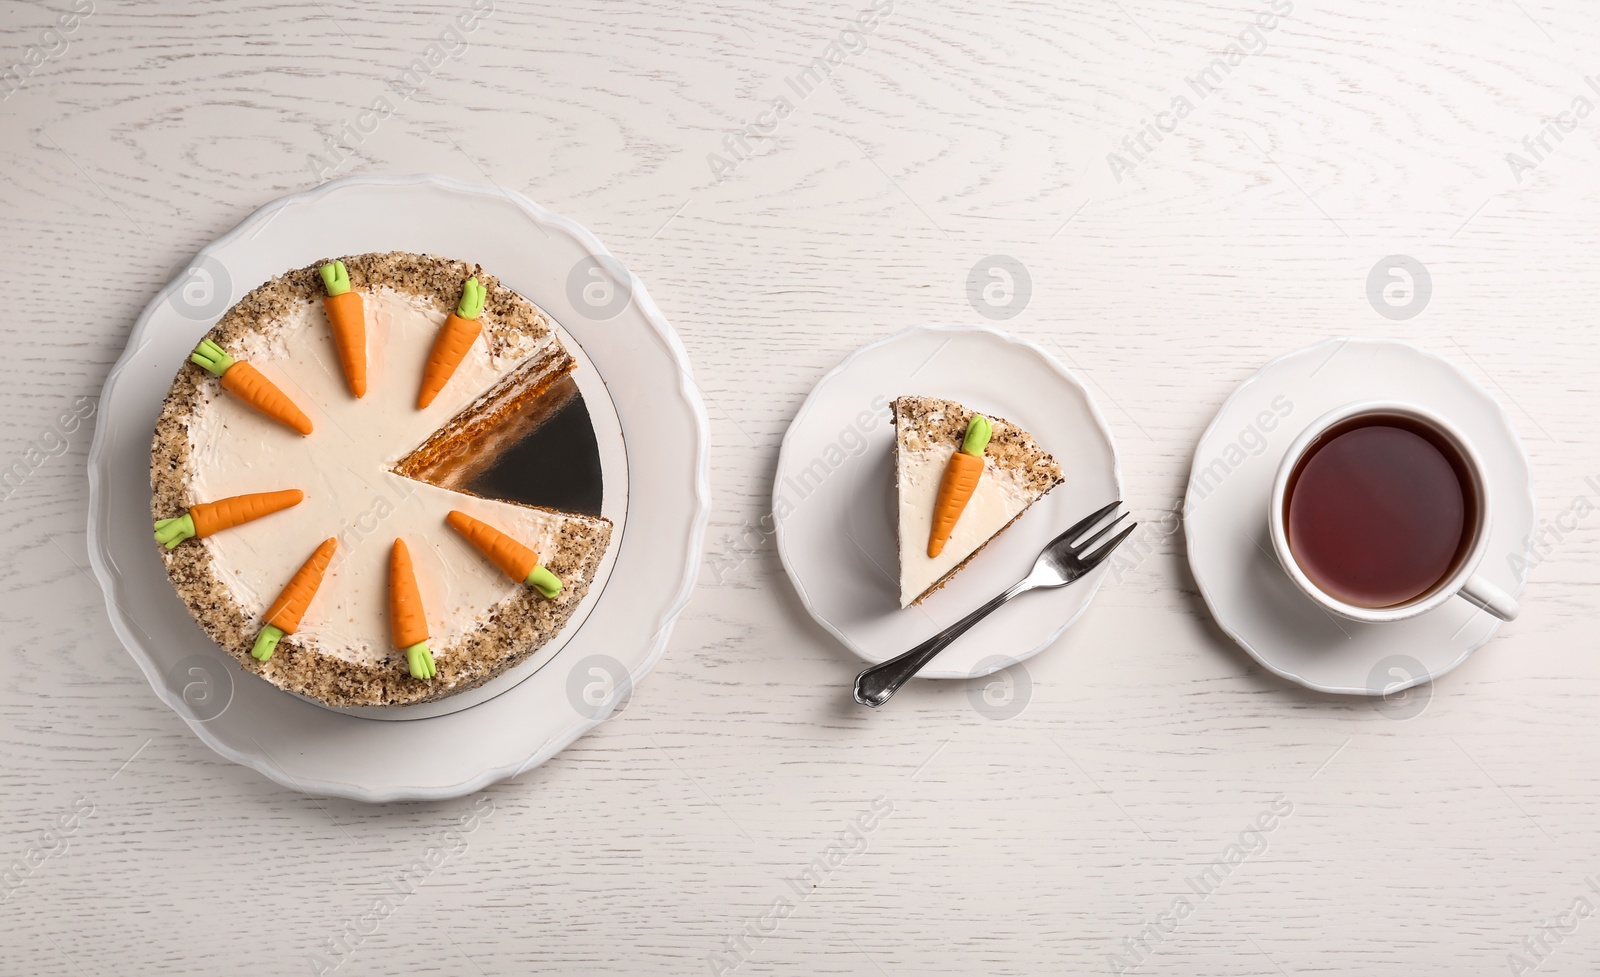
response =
{"points": [[1066, 559]]}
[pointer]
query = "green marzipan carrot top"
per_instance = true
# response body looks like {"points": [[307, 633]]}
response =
{"points": [[472, 296], [543, 581], [335, 278], [171, 532], [979, 431], [211, 356]]}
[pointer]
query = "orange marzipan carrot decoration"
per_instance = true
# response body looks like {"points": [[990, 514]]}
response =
{"points": [[249, 384], [345, 314], [955, 490], [454, 339], [456, 336], [961, 474], [214, 517], [407, 620], [286, 612], [513, 558]]}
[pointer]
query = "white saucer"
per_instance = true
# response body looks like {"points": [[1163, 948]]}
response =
{"points": [[834, 496], [1230, 550], [635, 379]]}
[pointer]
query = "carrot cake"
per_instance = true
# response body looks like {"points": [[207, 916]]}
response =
{"points": [[962, 479], [309, 477]]}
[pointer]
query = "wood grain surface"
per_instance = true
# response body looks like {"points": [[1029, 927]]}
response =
{"points": [[742, 815]]}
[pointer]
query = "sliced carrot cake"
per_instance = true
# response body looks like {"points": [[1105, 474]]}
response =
{"points": [[310, 480], [962, 479]]}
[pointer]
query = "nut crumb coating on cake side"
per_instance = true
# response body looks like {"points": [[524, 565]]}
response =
{"points": [[507, 633], [921, 423]]}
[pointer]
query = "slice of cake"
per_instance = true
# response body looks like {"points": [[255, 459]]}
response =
{"points": [[1001, 476], [225, 437]]}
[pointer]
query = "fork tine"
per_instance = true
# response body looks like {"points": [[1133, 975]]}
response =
{"points": [[1092, 560], [1080, 547], [1085, 523]]}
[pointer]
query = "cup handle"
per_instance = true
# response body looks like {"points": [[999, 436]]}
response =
{"points": [[1483, 594]]}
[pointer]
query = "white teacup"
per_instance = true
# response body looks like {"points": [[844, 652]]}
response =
{"points": [[1463, 579]]}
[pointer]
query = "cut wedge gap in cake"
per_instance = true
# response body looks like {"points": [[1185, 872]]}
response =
{"points": [[529, 440], [1016, 473]]}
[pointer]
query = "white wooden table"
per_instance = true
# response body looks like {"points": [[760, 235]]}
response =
{"points": [[665, 841]]}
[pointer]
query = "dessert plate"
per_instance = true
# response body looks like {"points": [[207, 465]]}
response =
{"points": [[834, 497], [648, 420], [1230, 551]]}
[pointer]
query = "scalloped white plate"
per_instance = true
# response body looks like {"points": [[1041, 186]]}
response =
{"points": [[654, 441], [837, 530], [1230, 551]]}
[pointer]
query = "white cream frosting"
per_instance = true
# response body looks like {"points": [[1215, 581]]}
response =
{"points": [[1000, 495], [343, 467]]}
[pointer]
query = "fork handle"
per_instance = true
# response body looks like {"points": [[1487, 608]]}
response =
{"points": [[877, 683]]}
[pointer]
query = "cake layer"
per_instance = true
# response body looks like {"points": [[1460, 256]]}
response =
{"points": [[462, 449]]}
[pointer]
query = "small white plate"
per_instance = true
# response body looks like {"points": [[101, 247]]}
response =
{"points": [[1230, 551], [635, 378], [834, 497]]}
